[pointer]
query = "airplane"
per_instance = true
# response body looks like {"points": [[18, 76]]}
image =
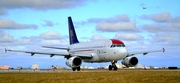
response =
{"points": [[109, 50], [144, 8]]}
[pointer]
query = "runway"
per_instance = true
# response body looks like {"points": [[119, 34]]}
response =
{"points": [[83, 70], [90, 76]]}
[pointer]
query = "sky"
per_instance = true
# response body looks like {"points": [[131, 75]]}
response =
{"points": [[141, 24]]}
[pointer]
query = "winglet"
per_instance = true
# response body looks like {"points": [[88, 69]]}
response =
{"points": [[163, 49]]}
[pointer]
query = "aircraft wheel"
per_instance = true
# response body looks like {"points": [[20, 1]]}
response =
{"points": [[110, 67], [115, 68], [78, 68], [74, 69]]}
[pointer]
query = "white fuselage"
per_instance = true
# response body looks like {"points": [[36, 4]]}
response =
{"points": [[101, 51]]}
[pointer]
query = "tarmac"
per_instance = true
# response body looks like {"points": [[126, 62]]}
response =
{"points": [[82, 70]]}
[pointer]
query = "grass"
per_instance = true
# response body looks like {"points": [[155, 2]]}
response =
{"points": [[92, 77]]}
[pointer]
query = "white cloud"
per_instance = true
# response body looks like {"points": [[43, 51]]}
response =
{"points": [[47, 38], [116, 23], [48, 23], [142, 4], [54, 42], [128, 36], [123, 18], [176, 25], [51, 35], [3, 11], [168, 39], [129, 26], [164, 22], [97, 37], [176, 19], [162, 17], [163, 35], [9, 24], [24, 41], [156, 27], [41, 4], [5, 37]]}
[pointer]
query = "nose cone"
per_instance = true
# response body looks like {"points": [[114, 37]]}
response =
{"points": [[119, 54], [122, 52]]}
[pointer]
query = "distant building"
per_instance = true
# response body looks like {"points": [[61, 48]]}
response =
{"points": [[120, 66], [5, 67], [19, 67], [163, 67], [90, 67], [139, 66], [131, 67], [35, 66], [86, 67]]}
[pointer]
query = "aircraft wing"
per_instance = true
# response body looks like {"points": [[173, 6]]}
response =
{"points": [[83, 56], [145, 52], [46, 53]]}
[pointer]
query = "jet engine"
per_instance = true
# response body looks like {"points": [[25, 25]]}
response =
{"points": [[130, 61], [74, 62]]}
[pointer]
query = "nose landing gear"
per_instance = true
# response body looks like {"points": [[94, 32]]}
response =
{"points": [[113, 66]]}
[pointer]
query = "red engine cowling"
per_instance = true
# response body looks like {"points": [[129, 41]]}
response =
{"points": [[74, 62], [130, 61]]}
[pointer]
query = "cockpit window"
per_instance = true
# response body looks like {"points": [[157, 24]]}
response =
{"points": [[117, 45], [112, 45], [123, 45]]}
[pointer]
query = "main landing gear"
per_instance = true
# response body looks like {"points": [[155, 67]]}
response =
{"points": [[76, 68], [113, 66]]}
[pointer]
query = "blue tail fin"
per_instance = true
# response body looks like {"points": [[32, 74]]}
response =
{"points": [[72, 33]]}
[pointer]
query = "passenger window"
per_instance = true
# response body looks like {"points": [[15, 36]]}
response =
{"points": [[118, 45]]}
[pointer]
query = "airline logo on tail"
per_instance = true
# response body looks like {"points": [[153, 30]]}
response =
{"points": [[72, 34]]}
